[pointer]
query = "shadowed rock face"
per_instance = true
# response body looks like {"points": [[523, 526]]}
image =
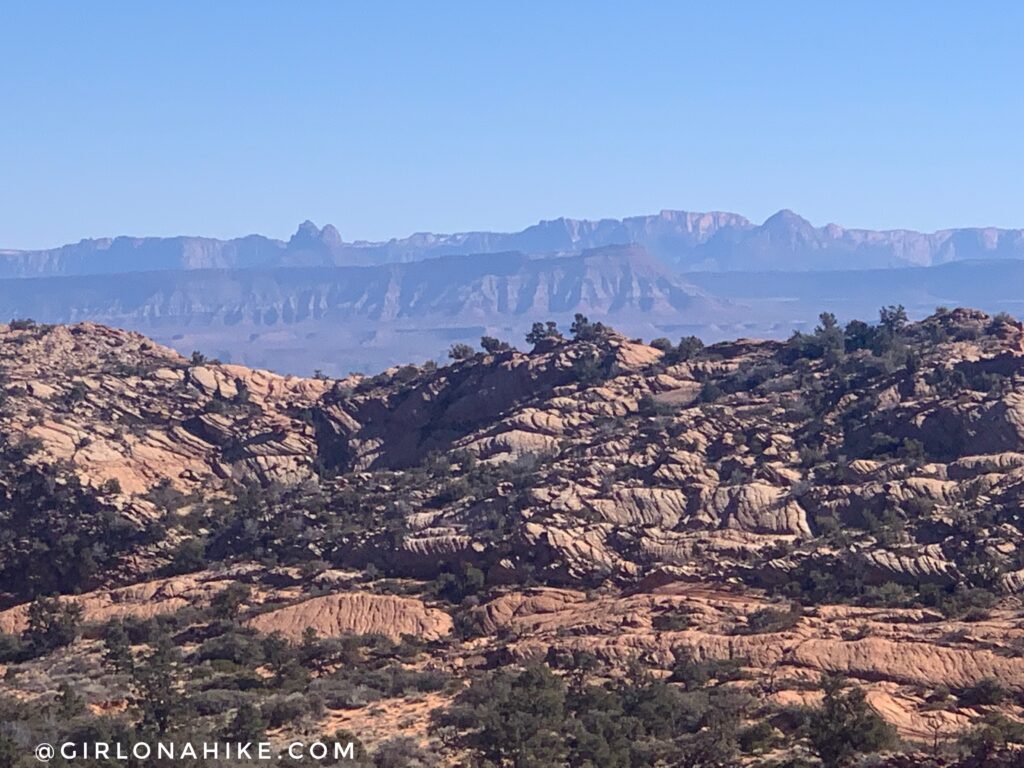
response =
{"points": [[594, 495]]}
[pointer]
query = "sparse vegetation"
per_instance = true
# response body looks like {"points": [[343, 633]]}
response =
{"points": [[541, 332], [493, 346], [592, 504], [460, 352], [845, 726]]}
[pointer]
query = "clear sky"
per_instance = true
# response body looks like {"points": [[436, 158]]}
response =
{"points": [[226, 118]]}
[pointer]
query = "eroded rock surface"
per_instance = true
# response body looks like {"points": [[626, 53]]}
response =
{"points": [[356, 613], [804, 511]]}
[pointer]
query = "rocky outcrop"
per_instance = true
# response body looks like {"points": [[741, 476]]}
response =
{"points": [[890, 651], [356, 613], [144, 600], [653, 499], [118, 408]]}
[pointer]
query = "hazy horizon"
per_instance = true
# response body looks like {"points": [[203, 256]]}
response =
{"points": [[192, 119], [472, 230]]}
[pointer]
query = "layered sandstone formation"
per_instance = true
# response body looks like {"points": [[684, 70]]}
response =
{"points": [[616, 499]]}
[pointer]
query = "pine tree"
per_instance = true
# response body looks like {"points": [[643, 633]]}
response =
{"points": [[52, 624], [248, 725], [117, 649], [846, 726], [157, 693]]}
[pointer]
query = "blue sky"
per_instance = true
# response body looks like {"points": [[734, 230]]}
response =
{"points": [[386, 118]]}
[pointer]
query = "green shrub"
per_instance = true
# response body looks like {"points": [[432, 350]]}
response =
{"points": [[278, 711], [758, 737], [247, 725], [695, 675], [662, 344], [520, 718], [460, 352], [990, 735], [584, 330], [12, 648], [241, 648], [688, 348], [188, 557], [456, 587], [541, 332], [765, 620], [845, 726], [987, 692], [401, 752], [52, 624], [343, 693], [218, 701], [493, 346]]}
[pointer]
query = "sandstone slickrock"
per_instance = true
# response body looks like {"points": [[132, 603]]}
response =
{"points": [[356, 613], [799, 513]]}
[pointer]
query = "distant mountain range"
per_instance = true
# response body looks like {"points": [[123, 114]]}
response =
{"points": [[683, 240], [316, 301], [366, 317], [605, 282]]}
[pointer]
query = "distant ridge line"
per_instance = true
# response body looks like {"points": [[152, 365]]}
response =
{"points": [[683, 240]]}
